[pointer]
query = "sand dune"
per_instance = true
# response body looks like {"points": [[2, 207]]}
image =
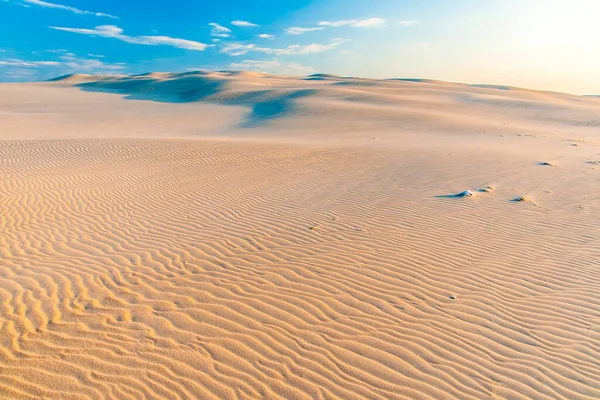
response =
{"points": [[223, 235], [309, 106]]}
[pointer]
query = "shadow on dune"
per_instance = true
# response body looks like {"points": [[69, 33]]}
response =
{"points": [[270, 105], [184, 89], [486, 86], [453, 196], [265, 105], [322, 77], [416, 80]]}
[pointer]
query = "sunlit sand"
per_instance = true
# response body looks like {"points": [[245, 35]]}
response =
{"points": [[226, 235]]}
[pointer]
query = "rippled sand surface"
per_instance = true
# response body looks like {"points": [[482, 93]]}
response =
{"points": [[241, 236]]}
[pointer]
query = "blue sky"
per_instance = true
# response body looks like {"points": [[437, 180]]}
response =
{"points": [[544, 44]]}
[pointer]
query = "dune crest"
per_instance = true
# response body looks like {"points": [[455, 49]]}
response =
{"points": [[357, 103]]}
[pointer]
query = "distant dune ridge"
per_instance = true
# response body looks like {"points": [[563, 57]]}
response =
{"points": [[238, 235], [408, 104]]}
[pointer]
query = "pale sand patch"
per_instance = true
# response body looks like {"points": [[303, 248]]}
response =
{"points": [[285, 253]]}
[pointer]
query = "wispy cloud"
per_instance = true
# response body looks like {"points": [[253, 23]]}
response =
{"points": [[19, 75], [19, 4], [66, 8], [243, 23], [266, 36], [369, 23], [337, 24], [236, 49], [355, 23], [273, 67], [111, 31], [15, 69], [295, 30], [407, 23], [74, 64], [55, 63], [168, 41], [103, 30], [13, 62], [219, 30]]}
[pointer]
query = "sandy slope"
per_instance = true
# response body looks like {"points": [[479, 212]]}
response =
{"points": [[234, 235]]}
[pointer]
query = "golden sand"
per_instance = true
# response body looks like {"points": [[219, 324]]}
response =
{"points": [[236, 236]]}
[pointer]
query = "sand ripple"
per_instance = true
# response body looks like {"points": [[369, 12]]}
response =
{"points": [[173, 269]]}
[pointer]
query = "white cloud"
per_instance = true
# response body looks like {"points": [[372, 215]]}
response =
{"points": [[337, 24], [295, 30], [243, 23], [18, 70], [236, 49], [103, 30], [67, 8], [115, 32], [168, 41], [369, 23], [219, 30], [68, 61], [273, 67], [73, 64], [407, 23], [265, 36], [96, 55], [355, 23], [19, 75], [13, 62]]}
